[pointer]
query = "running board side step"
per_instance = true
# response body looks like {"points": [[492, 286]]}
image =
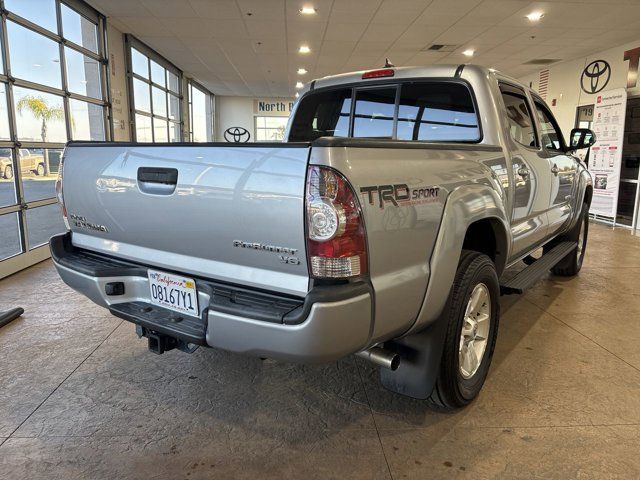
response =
{"points": [[530, 275]]}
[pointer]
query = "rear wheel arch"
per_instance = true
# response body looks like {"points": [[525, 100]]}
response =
{"points": [[488, 236]]}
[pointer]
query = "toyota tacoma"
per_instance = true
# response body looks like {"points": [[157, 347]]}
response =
{"points": [[382, 227]]}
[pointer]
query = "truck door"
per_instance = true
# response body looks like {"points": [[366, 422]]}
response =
{"points": [[530, 172], [563, 168]]}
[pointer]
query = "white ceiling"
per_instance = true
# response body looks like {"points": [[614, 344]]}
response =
{"points": [[250, 47]]}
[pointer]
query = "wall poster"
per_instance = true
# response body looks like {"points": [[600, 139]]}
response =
{"points": [[606, 155]]}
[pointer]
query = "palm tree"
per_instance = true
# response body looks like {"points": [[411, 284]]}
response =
{"points": [[40, 110]]}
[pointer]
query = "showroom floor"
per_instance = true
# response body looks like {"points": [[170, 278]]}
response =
{"points": [[81, 397]]}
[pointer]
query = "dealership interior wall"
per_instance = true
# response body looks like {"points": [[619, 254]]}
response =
{"points": [[572, 95]]}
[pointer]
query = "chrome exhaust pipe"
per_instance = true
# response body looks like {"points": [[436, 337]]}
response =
{"points": [[381, 356]]}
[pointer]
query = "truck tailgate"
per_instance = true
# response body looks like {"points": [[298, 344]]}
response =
{"points": [[228, 212]]}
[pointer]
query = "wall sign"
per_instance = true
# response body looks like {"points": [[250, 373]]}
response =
{"points": [[633, 56], [275, 107], [237, 135], [606, 155], [595, 76]]}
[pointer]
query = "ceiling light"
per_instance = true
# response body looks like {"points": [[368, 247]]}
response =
{"points": [[299, 85], [308, 10], [302, 71], [304, 49], [297, 95], [469, 52], [535, 16]]}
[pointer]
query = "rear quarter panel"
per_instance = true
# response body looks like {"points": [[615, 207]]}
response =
{"points": [[401, 235]]}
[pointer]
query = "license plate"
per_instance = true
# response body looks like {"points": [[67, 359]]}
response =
{"points": [[174, 292]]}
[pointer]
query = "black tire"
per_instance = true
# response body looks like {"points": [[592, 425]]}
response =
{"points": [[451, 389], [8, 172], [572, 263], [40, 169]]}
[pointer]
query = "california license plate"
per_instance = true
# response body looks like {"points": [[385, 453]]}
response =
{"points": [[174, 292]]}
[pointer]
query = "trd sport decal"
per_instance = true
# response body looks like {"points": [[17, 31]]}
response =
{"points": [[399, 194]]}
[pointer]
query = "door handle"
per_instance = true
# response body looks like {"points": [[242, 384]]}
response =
{"points": [[157, 181], [166, 176], [523, 172], [554, 169]]}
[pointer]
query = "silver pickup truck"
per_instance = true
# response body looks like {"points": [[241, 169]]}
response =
{"points": [[382, 227]]}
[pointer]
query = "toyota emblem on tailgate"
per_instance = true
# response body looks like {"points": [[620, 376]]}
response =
{"points": [[237, 135], [595, 76]]}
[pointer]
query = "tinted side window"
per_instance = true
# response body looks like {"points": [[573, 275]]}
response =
{"points": [[437, 112], [550, 135], [373, 116], [520, 121], [324, 114]]}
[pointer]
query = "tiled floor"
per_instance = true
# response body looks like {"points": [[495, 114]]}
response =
{"points": [[81, 398]]}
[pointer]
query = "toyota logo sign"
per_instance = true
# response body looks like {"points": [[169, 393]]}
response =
{"points": [[237, 135], [595, 76]]}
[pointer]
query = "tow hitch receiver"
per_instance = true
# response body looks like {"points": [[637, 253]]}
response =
{"points": [[160, 343]]}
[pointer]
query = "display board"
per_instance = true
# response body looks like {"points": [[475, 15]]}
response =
{"points": [[606, 155]]}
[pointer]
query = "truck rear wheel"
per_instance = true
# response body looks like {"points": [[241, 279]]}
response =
{"points": [[572, 263], [471, 313]]}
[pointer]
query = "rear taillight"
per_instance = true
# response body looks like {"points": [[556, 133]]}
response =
{"points": [[336, 238], [60, 195]]}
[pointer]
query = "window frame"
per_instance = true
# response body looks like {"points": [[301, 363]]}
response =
{"points": [[398, 83], [538, 102], [506, 88], [151, 55], [256, 128], [22, 204], [191, 83]]}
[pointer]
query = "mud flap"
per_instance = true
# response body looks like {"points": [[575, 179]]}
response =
{"points": [[420, 355]]}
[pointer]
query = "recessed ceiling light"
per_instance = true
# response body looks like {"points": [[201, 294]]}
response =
{"points": [[304, 49], [308, 10], [302, 71], [297, 95], [299, 85], [469, 52], [535, 16]]}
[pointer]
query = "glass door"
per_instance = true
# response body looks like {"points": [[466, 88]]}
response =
{"points": [[629, 170], [52, 89]]}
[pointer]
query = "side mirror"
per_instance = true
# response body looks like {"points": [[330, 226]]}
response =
{"points": [[582, 138]]}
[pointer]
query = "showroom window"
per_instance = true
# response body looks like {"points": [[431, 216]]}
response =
{"points": [[270, 129], [200, 113], [52, 90], [155, 95]]}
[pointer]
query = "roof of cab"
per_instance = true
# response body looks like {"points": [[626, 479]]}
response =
{"points": [[430, 71], [400, 72]]}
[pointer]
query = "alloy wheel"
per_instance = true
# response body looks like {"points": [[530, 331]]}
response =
{"points": [[475, 331]]}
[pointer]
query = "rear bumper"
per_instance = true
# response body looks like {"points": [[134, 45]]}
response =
{"points": [[330, 323]]}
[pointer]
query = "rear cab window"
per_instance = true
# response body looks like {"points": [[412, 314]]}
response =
{"points": [[437, 112], [430, 111], [374, 113]]}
